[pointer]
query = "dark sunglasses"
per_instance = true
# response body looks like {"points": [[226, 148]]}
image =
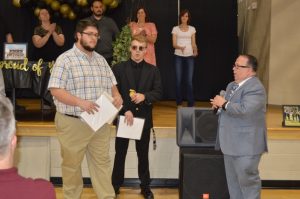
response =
{"points": [[140, 48]]}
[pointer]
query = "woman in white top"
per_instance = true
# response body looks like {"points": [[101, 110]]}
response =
{"points": [[184, 42]]}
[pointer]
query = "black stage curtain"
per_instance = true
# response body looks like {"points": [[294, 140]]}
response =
{"points": [[216, 25], [215, 22]]}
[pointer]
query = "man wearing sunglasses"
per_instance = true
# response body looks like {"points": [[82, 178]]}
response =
{"points": [[242, 129], [140, 85]]}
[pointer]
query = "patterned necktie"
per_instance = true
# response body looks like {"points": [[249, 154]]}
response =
{"points": [[233, 88]]}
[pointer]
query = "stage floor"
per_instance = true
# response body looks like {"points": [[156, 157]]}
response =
{"points": [[164, 112], [281, 163], [167, 193], [164, 116]]}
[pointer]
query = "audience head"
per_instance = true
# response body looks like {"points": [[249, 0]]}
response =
{"points": [[86, 34], [7, 127], [97, 8], [141, 15], [138, 48], [185, 16]]}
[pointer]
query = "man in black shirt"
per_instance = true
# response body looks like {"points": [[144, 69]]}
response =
{"points": [[107, 28], [139, 84]]}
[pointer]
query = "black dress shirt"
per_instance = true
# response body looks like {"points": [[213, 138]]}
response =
{"points": [[137, 70]]}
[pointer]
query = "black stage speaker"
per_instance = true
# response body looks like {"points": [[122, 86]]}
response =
{"points": [[202, 171], [196, 127]]}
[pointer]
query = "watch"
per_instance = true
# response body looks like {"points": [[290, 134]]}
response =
{"points": [[224, 105]]}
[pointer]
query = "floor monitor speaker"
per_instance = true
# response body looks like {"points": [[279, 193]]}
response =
{"points": [[196, 127], [202, 171]]}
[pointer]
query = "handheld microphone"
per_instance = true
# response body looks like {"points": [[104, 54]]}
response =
{"points": [[222, 93], [217, 111]]}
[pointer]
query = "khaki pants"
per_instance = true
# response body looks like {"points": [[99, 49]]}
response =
{"points": [[76, 140]]}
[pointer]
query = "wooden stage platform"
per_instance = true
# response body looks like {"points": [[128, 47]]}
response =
{"points": [[279, 166], [34, 122]]}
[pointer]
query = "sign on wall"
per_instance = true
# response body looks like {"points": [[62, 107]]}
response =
{"points": [[15, 51], [291, 115]]}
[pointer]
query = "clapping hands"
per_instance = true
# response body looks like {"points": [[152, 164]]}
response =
{"points": [[143, 32], [52, 28]]}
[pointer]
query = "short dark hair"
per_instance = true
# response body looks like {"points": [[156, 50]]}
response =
{"points": [[82, 25], [93, 1], [252, 61], [182, 12]]}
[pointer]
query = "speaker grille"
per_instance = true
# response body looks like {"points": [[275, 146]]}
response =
{"points": [[196, 127], [206, 126], [202, 173]]}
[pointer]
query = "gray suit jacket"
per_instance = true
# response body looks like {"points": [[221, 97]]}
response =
{"points": [[242, 127]]}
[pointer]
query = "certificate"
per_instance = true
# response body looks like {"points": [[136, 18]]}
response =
{"points": [[131, 132], [106, 113]]}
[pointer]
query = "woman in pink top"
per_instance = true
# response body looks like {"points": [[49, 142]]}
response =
{"points": [[142, 26]]}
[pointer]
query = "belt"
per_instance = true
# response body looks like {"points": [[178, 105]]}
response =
{"points": [[74, 116]]}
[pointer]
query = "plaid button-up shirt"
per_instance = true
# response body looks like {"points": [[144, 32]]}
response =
{"points": [[82, 76]]}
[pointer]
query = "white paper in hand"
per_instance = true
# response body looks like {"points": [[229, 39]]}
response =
{"points": [[105, 113], [111, 99], [130, 132]]}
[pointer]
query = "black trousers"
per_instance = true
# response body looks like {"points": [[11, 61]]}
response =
{"points": [[142, 149]]}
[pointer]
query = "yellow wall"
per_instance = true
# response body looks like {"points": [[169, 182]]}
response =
{"points": [[284, 68], [254, 18], [271, 31]]}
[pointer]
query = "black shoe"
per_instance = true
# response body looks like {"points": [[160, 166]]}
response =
{"points": [[47, 105], [20, 108], [117, 190], [147, 193]]}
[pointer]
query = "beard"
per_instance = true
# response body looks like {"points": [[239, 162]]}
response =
{"points": [[86, 47], [98, 14]]}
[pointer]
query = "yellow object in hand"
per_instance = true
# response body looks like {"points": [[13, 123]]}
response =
{"points": [[131, 92]]}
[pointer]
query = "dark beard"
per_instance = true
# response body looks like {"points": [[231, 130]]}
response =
{"points": [[98, 15], [88, 48]]}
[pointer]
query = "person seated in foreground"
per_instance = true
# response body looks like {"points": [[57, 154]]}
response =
{"points": [[12, 185]]}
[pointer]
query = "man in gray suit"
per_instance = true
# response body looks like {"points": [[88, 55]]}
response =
{"points": [[242, 129]]}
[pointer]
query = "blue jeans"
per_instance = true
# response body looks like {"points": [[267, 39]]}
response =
{"points": [[184, 69]]}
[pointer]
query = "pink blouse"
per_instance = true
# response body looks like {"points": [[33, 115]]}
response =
{"points": [[150, 29]]}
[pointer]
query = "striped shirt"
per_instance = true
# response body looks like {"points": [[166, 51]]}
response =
{"points": [[82, 76]]}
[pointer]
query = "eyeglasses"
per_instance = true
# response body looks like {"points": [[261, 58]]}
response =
{"points": [[140, 48], [238, 66], [90, 34]]}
